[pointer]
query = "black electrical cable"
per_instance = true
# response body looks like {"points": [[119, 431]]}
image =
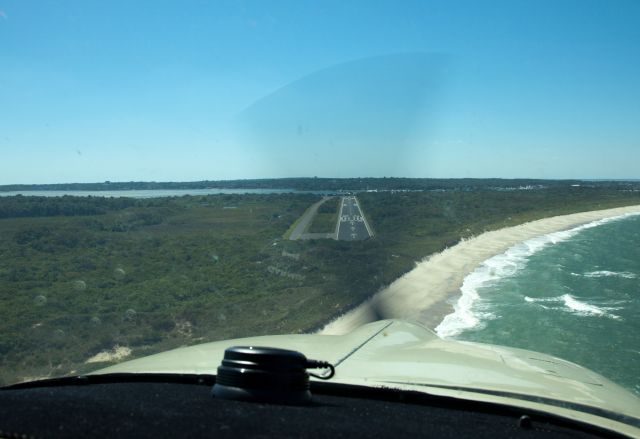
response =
{"points": [[316, 364]]}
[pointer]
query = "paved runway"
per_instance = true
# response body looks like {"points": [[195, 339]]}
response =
{"points": [[352, 226]]}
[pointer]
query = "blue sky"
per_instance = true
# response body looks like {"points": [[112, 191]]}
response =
{"points": [[192, 90]]}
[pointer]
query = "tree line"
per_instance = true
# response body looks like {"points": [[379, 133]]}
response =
{"points": [[328, 184]]}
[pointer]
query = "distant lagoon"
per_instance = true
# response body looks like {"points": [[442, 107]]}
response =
{"points": [[157, 193]]}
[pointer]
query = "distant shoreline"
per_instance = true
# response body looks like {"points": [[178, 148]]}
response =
{"points": [[424, 293]]}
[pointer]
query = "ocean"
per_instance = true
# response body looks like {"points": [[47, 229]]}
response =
{"points": [[573, 294]]}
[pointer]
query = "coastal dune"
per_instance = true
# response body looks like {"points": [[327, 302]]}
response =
{"points": [[424, 293]]}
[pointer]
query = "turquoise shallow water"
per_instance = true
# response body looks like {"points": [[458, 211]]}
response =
{"points": [[573, 294]]}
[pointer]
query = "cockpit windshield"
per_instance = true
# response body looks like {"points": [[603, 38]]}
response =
{"points": [[177, 173]]}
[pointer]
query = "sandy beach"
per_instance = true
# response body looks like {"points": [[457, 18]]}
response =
{"points": [[424, 293]]}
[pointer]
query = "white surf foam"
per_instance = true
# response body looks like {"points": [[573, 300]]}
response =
{"points": [[580, 307], [464, 315], [569, 303], [539, 300], [606, 273], [542, 299], [467, 314], [585, 308]]}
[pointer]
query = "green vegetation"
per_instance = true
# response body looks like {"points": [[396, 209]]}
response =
{"points": [[160, 273], [430, 221], [327, 217], [19, 206], [292, 227]]}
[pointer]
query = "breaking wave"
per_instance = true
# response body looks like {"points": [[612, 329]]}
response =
{"points": [[604, 273], [568, 303]]}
